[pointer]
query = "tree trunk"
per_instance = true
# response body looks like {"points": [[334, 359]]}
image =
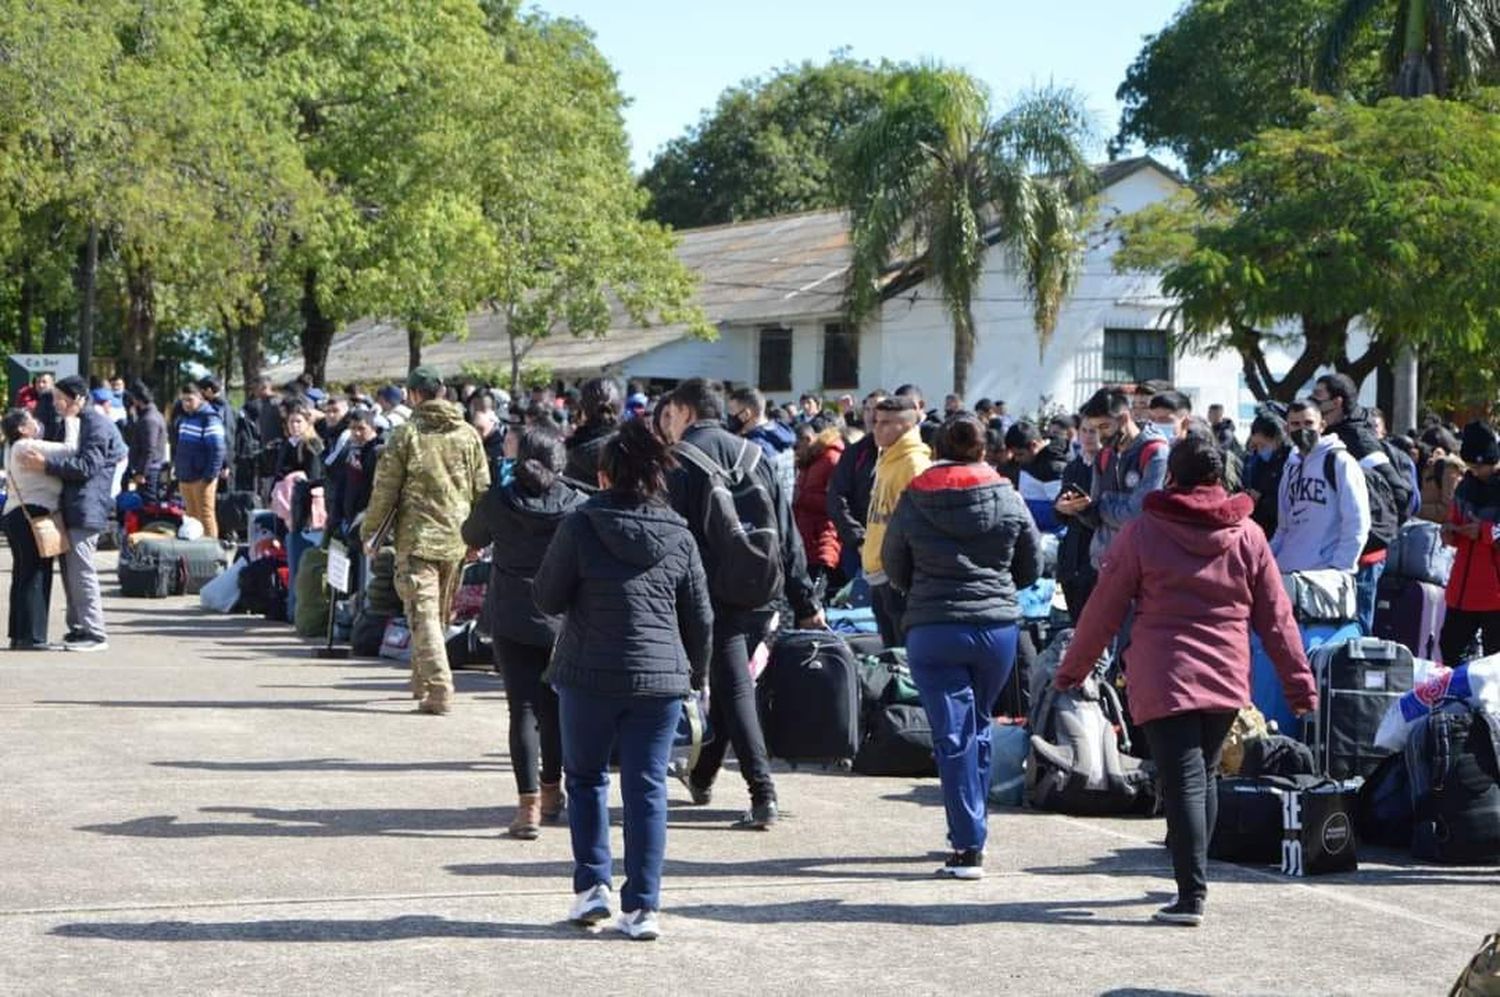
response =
{"points": [[54, 332], [88, 274], [228, 358], [26, 309], [1405, 402], [138, 339], [414, 339], [317, 331], [964, 337], [251, 359]]}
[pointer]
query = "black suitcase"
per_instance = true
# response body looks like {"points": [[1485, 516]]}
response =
{"points": [[809, 698], [144, 575], [234, 510], [1357, 681]]}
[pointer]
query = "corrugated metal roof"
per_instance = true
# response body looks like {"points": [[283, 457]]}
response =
{"points": [[773, 269]]}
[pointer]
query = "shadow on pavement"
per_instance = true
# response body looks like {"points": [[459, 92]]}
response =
{"points": [[316, 705], [820, 867], [337, 765], [313, 824], [307, 930], [944, 914]]}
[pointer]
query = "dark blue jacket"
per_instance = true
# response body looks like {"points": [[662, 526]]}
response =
{"points": [[200, 445], [631, 583], [88, 473], [521, 527], [961, 544]]}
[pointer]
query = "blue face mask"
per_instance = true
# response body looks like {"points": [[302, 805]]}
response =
{"points": [[1267, 452]]}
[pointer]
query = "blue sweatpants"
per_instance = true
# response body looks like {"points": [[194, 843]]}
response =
{"points": [[1366, 586], [959, 669], [644, 727]]}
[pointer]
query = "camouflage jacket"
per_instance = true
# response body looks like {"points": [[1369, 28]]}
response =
{"points": [[433, 471]]}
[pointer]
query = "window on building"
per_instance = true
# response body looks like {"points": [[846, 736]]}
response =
{"points": [[840, 356], [775, 359], [1135, 355]]}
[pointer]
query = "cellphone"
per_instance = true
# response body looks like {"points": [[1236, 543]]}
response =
{"points": [[1071, 491]]}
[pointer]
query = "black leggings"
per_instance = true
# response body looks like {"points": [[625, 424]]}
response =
{"points": [[1186, 749], [1461, 626], [30, 581], [731, 706], [535, 737]]}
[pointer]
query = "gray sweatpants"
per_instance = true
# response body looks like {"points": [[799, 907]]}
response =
{"points": [[81, 583]]}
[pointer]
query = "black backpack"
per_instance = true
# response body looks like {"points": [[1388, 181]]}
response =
{"points": [[738, 524], [1386, 507]]}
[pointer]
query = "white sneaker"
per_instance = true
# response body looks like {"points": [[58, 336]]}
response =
{"points": [[591, 906], [640, 926], [87, 645]]}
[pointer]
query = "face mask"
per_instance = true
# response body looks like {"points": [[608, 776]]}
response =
{"points": [[1168, 429], [1267, 452], [1305, 439]]}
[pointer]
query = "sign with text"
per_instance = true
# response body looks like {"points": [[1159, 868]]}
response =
{"points": [[338, 567]]}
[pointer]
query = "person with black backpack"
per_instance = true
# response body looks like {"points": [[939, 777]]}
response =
{"points": [[741, 517], [1337, 397]]}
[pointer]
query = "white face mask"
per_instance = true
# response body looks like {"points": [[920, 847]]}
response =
{"points": [[1168, 429]]}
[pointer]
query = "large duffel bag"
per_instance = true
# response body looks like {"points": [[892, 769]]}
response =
{"points": [[1249, 828], [809, 698], [367, 633], [1419, 554], [1357, 681], [898, 742], [202, 561], [311, 613], [143, 575], [1452, 764], [380, 593]]}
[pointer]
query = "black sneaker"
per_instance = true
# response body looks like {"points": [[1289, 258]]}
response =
{"points": [[699, 795], [1187, 915], [75, 636], [963, 863], [760, 817]]}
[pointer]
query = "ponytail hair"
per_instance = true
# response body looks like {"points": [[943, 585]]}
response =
{"points": [[601, 400], [637, 461], [540, 457]]}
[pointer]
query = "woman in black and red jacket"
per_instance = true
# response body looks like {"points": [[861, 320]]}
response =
{"points": [[1473, 520]]}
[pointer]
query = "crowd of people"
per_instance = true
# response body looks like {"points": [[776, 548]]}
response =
{"points": [[627, 570]]}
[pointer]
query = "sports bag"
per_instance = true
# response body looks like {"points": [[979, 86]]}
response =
{"points": [[1419, 553], [898, 742], [1323, 596], [1455, 783], [312, 593], [739, 528], [1249, 825]]}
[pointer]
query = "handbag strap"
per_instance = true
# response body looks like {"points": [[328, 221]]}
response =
{"points": [[12, 480]]}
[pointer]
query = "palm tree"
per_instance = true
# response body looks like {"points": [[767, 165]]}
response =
{"points": [[933, 181], [1436, 46]]}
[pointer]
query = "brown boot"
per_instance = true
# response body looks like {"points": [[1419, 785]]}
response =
{"points": [[438, 701], [553, 801], [527, 823]]}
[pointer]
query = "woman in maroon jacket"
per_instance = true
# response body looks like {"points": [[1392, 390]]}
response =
{"points": [[815, 466], [1200, 575]]}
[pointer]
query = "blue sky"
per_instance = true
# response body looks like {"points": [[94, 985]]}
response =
{"points": [[674, 57]]}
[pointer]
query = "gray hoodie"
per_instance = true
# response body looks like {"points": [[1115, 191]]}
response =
{"points": [[1322, 520]]}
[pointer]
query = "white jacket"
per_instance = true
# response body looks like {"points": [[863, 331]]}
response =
{"points": [[1323, 522]]}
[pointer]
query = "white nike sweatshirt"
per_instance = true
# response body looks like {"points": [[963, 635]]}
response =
{"points": [[1322, 524]]}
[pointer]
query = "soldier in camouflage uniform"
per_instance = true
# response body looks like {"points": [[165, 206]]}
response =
{"points": [[433, 471]]}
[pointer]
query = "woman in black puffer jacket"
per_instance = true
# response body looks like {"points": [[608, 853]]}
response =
{"points": [[961, 543], [600, 403], [520, 519], [625, 570]]}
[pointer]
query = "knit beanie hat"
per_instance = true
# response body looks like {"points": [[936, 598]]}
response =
{"points": [[1480, 444]]}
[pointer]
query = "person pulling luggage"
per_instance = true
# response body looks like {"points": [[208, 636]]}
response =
{"points": [[1201, 576]]}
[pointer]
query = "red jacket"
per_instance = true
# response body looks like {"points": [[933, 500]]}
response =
{"points": [[1474, 585], [819, 536], [1200, 573]]}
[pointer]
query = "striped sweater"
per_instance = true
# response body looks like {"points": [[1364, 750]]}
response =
{"points": [[199, 455]]}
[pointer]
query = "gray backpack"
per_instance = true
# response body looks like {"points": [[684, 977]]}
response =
{"points": [[1078, 759]]}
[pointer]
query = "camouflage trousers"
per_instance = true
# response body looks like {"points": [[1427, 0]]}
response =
{"points": [[426, 589]]}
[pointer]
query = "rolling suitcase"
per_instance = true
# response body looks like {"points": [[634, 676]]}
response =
{"points": [[1411, 613], [145, 575], [1265, 684], [199, 562], [809, 699], [1357, 681]]}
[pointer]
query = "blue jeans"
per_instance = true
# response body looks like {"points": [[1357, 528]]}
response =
{"points": [[959, 669], [643, 726], [1366, 581]]}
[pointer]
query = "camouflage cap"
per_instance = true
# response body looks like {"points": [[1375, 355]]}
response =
{"points": [[425, 379]]}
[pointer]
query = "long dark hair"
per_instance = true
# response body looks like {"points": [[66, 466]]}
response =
{"points": [[637, 461], [601, 401], [540, 457]]}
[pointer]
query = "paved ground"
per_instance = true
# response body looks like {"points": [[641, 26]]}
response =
{"points": [[210, 809]]}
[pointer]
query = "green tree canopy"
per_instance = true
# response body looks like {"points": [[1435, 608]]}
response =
{"points": [[767, 147], [1223, 71], [1389, 215]]}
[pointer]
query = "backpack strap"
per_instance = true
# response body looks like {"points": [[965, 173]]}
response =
{"points": [[702, 461], [1328, 470], [1149, 451], [745, 464]]}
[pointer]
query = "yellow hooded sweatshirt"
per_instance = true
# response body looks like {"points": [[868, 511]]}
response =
{"points": [[899, 463]]}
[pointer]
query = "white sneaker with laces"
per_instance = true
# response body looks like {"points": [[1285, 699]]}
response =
{"points": [[88, 645], [639, 926], [591, 906]]}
